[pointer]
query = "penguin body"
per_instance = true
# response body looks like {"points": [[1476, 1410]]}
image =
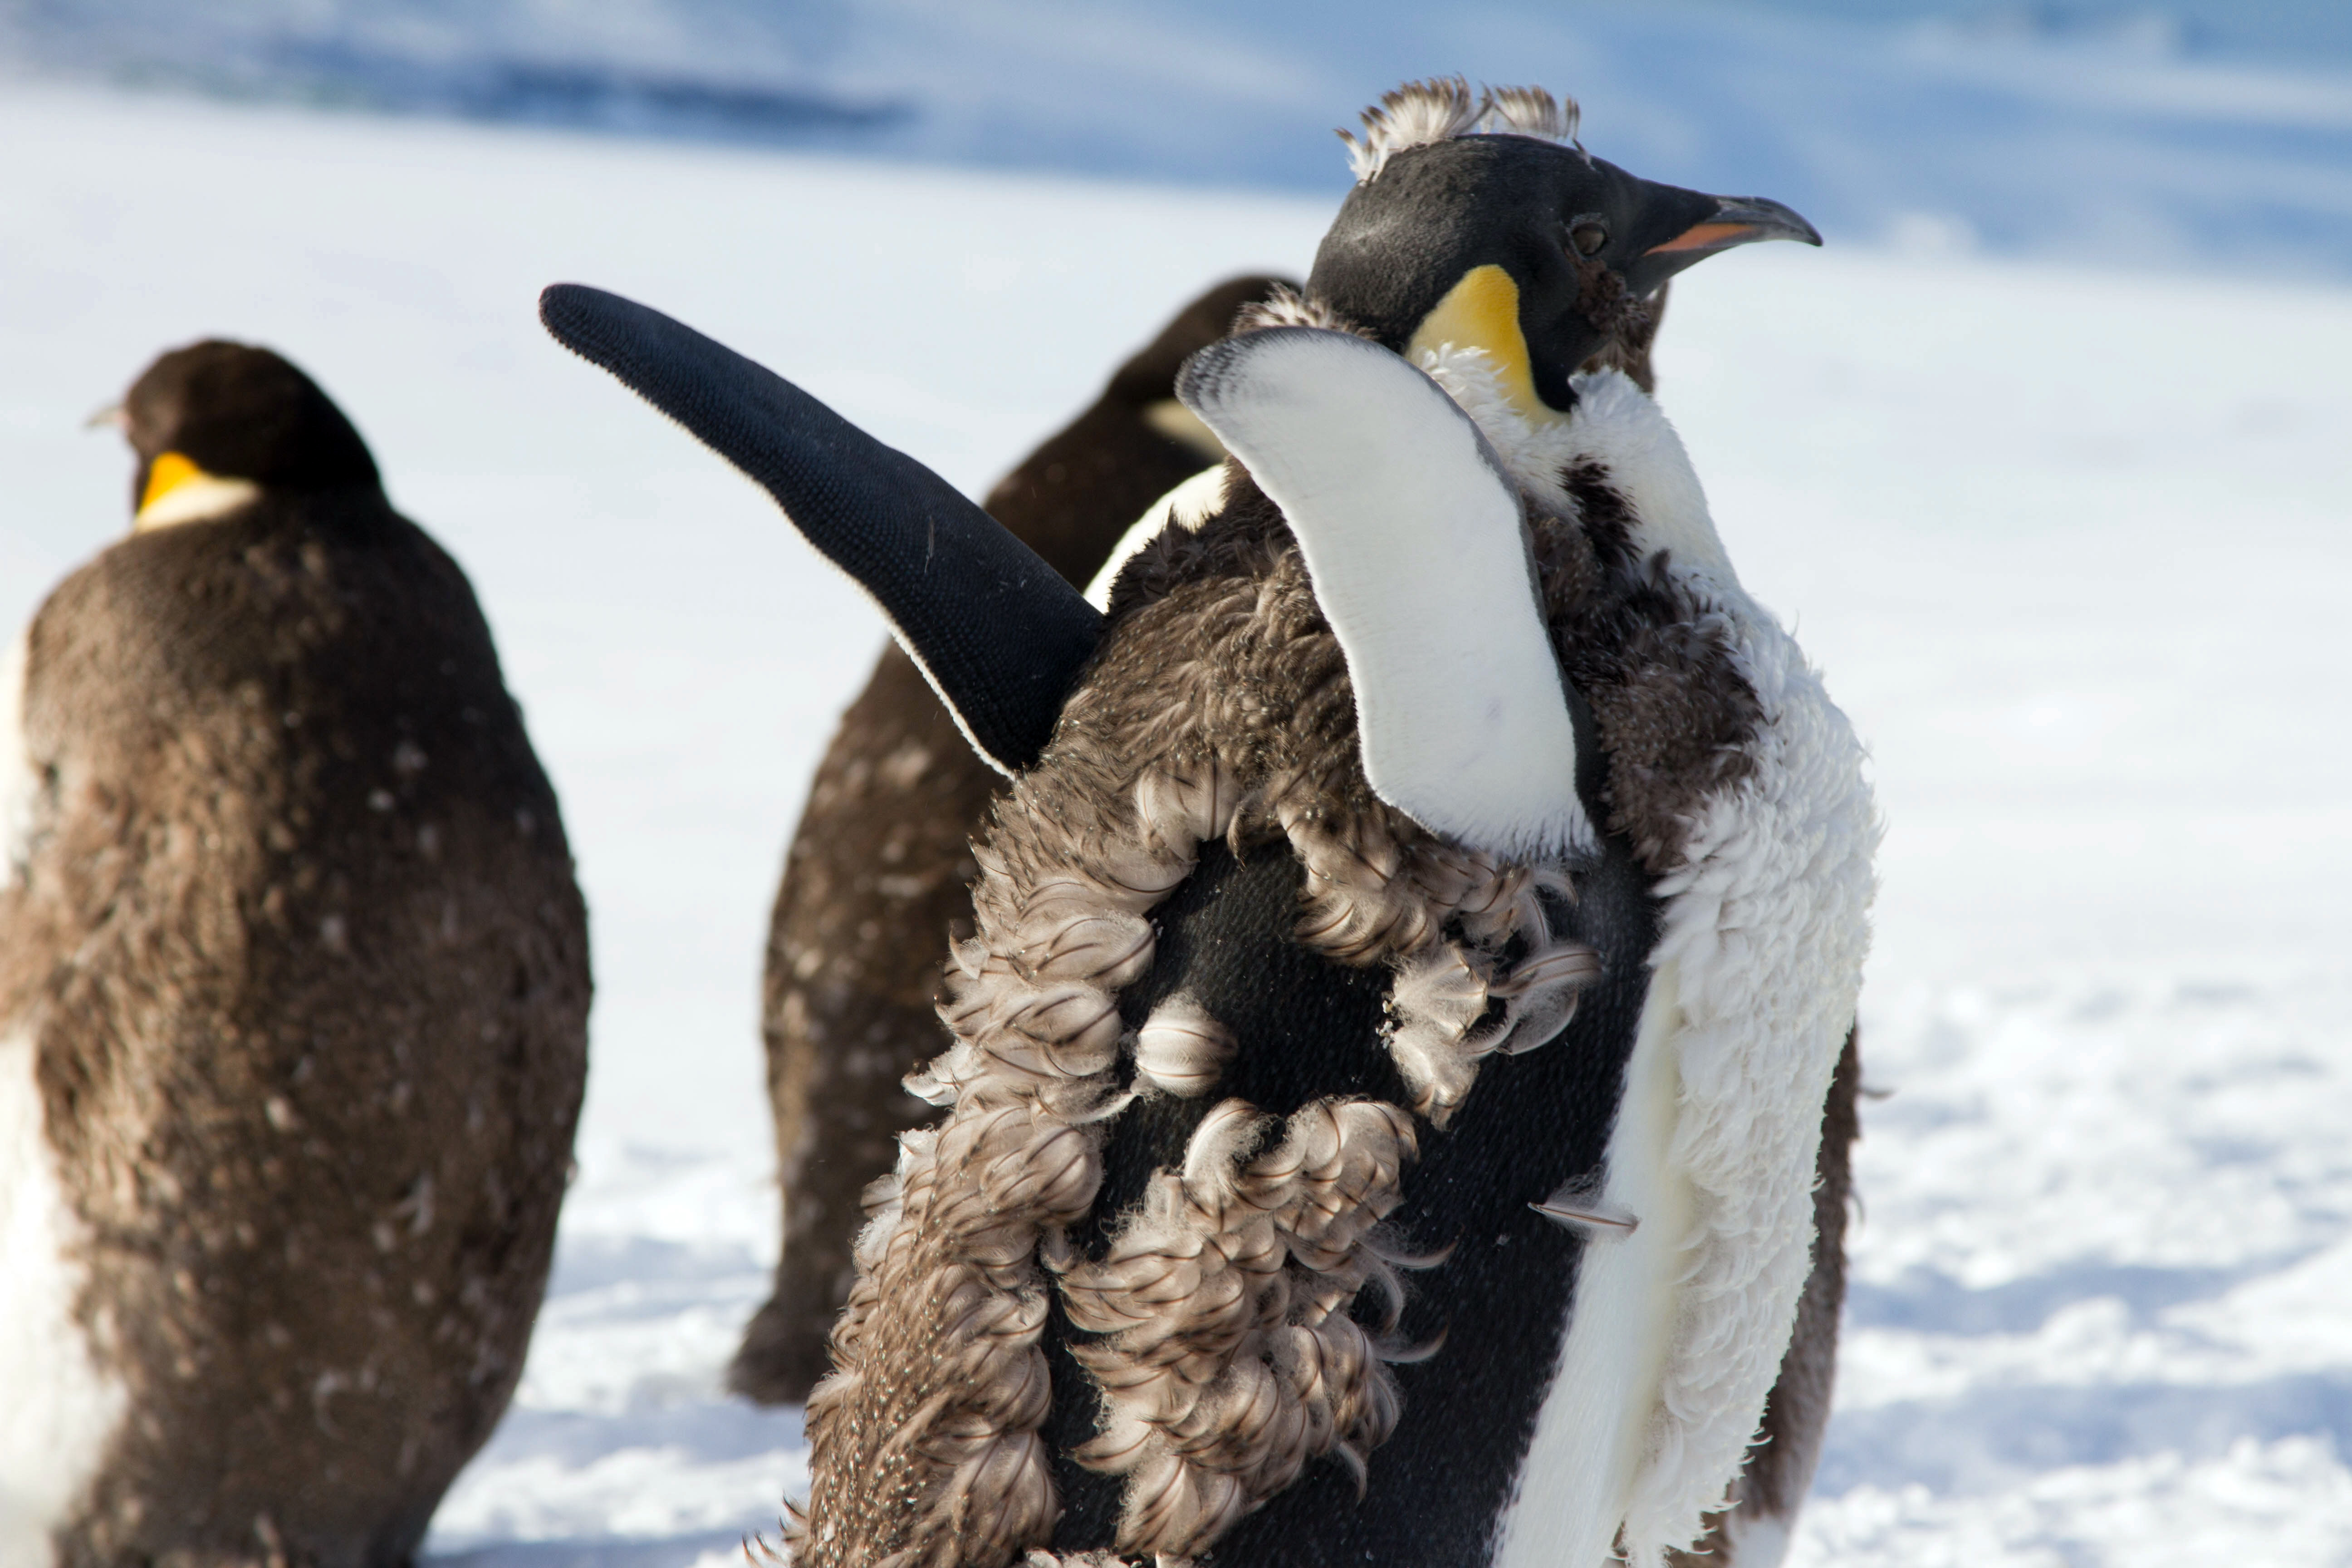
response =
{"points": [[1413, 953], [880, 861], [293, 991], [1557, 1368]]}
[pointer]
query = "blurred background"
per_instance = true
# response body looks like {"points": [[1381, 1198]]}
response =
{"points": [[2211, 131], [2046, 456]]}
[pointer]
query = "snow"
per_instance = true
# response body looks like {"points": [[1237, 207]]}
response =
{"points": [[2071, 544]]}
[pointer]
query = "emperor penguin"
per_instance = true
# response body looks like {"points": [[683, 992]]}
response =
{"points": [[1412, 952], [293, 1000], [880, 863]]}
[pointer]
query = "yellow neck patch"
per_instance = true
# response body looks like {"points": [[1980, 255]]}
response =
{"points": [[1482, 311], [167, 473], [179, 491]]}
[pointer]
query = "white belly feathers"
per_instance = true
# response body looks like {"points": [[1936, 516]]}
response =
{"points": [[1677, 1331], [58, 1410]]}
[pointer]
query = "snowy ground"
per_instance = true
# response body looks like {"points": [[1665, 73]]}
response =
{"points": [[2073, 548]]}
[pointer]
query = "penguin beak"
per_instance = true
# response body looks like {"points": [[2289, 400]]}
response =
{"points": [[1735, 220], [1708, 225], [112, 417]]}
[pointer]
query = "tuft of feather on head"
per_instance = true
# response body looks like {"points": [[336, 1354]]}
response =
{"points": [[1444, 107]]}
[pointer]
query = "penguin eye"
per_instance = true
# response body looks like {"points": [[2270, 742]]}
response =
{"points": [[1588, 237]]}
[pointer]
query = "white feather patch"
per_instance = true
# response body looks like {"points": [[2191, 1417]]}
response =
{"points": [[1614, 426], [1187, 507], [1417, 549], [200, 499], [1589, 1434], [60, 1410], [19, 784], [1767, 923], [1764, 932], [1753, 1540]]}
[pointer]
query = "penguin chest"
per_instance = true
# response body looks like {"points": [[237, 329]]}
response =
{"points": [[1677, 1329], [1596, 1423], [61, 1408]]}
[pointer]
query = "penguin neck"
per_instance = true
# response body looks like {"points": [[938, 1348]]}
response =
{"points": [[1481, 313], [1615, 428], [201, 498]]}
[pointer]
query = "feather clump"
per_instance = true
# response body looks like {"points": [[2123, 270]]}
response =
{"points": [[927, 1447], [1231, 1357], [1441, 109]]}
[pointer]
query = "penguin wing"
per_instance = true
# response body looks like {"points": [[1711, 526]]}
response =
{"points": [[1417, 547], [999, 635]]}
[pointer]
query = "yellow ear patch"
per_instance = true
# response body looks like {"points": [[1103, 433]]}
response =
{"points": [[167, 473], [1482, 311], [178, 491]]}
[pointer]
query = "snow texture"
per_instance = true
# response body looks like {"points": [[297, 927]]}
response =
{"points": [[2069, 545]]}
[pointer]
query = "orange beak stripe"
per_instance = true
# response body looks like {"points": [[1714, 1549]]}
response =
{"points": [[1701, 235]]}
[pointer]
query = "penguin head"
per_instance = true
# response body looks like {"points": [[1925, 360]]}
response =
{"points": [[216, 424], [1479, 222]]}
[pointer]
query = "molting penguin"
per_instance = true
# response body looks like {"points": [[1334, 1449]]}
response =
{"points": [[1412, 954], [880, 864], [293, 1001]]}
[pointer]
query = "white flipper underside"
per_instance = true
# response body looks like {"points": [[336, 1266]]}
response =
{"points": [[1415, 544]]}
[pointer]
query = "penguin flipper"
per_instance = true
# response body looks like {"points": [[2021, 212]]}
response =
{"points": [[997, 632], [1415, 542]]}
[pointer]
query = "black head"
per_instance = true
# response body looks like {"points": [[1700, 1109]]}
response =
{"points": [[230, 411], [1521, 245]]}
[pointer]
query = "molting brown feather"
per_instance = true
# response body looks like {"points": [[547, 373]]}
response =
{"points": [[1218, 707], [300, 948], [879, 866], [1442, 108], [1230, 1358]]}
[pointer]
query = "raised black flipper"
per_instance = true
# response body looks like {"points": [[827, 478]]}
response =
{"points": [[999, 635]]}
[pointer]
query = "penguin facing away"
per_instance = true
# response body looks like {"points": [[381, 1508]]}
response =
{"points": [[879, 865], [293, 999], [1414, 951]]}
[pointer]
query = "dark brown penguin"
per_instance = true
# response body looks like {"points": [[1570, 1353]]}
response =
{"points": [[293, 1000], [879, 866]]}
